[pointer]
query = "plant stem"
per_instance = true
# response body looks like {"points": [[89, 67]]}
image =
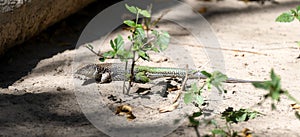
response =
{"points": [[131, 73], [228, 128], [124, 82], [197, 131], [137, 17]]}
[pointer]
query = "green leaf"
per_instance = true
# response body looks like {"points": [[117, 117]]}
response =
{"points": [[197, 114], [199, 99], [124, 55], [156, 49], [298, 8], [112, 45], [101, 59], [144, 55], [109, 54], [273, 86], [193, 121], [214, 122], [219, 132], [275, 95], [240, 115], [273, 75], [140, 33], [132, 9], [119, 42], [130, 23], [273, 106], [162, 39], [194, 88], [285, 17], [298, 16], [253, 115], [145, 13], [188, 98], [138, 9], [218, 78], [205, 73], [293, 12], [260, 85]]}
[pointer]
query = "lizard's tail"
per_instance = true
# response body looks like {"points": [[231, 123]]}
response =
{"points": [[234, 80], [229, 80]]}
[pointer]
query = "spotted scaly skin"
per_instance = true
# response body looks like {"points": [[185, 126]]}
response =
{"points": [[107, 72]]}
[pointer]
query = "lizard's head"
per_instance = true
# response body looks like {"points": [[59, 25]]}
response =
{"points": [[94, 71]]}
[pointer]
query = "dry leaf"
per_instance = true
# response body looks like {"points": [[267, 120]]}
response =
{"points": [[125, 110], [202, 10], [168, 108], [245, 133], [295, 107]]}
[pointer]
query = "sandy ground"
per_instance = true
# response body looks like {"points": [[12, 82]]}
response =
{"points": [[37, 86]]}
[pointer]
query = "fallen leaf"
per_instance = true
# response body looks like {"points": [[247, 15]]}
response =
{"points": [[202, 10], [125, 110], [169, 108], [295, 107], [245, 133]]}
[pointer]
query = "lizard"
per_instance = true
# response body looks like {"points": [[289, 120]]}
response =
{"points": [[107, 72]]}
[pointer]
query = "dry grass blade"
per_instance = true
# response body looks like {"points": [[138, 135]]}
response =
{"points": [[169, 108]]}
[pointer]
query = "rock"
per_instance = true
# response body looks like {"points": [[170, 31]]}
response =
{"points": [[22, 19]]}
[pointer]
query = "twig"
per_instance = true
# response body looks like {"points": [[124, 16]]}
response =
{"points": [[91, 49], [183, 85]]}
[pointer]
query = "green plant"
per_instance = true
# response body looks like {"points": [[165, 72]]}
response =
{"points": [[213, 79], [143, 39], [274, 88], [289, 16], [236, 116], [232, 116], [193, 95], [275, 91]]}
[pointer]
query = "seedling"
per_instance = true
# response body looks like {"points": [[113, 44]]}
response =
{"points": [[274, 88], [144, 38], [289, 17], [232, 116]]}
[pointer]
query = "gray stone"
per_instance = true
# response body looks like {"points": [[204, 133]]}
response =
{"points": [[22, 19]]}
